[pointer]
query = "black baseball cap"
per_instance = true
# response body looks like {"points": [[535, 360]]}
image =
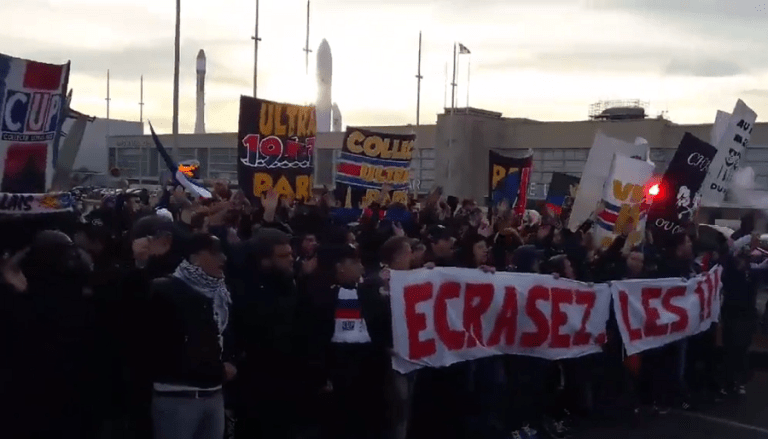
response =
{"points": [[152, 225], [330, 255], [439, 232], [98, 224]]}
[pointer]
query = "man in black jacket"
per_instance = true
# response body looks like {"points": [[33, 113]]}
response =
{"points": [[189, 313], [156, 252], [268, 330], [48, 356], [353, 334]]}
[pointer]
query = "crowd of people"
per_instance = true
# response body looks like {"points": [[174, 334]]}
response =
{"points": [[176, 318]]}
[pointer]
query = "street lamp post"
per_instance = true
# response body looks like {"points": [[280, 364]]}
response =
{"points": [[177, 55]]}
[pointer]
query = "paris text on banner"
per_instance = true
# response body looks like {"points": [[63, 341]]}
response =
{"points": [[276, 145]]}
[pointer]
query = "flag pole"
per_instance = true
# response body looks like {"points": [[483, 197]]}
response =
{"points": [[141, 121], [306, 46], [108, 100], [445, 88], [256, 40], [468, 70], [177, 55], [418, 84], [141, 104], [453, 81]]}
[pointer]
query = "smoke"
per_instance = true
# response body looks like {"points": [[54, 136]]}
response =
{"points": [[743, 189]]}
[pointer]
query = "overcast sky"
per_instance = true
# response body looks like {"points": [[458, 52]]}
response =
{"points": [[540, 59]]}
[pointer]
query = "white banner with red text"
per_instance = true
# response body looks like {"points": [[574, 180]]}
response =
{"points": [[656, 312], [447, 315]]}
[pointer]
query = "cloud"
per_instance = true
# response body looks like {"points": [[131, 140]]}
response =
{"points": [[610, 60], [758, 93], [575, 51], [706, 67], [152, 58], [752, 9]]}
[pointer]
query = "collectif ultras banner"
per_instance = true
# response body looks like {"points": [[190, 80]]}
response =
{"points": [[32, 102], [508, 179], [448, 315], [371, 160], [276, 145]]}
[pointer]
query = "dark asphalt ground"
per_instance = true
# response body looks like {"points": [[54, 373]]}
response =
{"points": [[742, 417]]}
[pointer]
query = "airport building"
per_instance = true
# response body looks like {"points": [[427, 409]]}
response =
{"points": [[453, 153]]}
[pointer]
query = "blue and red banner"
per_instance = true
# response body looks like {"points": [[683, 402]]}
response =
{"points": [[624, 202], [369, 161], [32, 105], [562, 191], [508, 179]]}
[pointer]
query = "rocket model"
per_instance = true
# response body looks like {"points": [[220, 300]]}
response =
{"points": [[324, 75], [200, 119], [336, 126]]}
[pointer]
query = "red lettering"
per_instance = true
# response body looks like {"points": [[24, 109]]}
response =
{"points": [[251, 141], [310, 146], [453, 340], [634, 333], [586, 299], [601, 338], [681, 323], [710, 294], [477, 300], [271, 147], [652, 316], [292, 148], [559, 318], [717, 279], [538, 338], [506, 321], [417, 321]]}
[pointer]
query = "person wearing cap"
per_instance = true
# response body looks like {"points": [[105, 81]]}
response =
{"points": [[156, 253], [189, 312], [96, 236], [353, 329], [441, 244]]}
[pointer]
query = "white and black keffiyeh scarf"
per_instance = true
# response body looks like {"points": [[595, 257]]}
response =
{"points": [[211, 287]]}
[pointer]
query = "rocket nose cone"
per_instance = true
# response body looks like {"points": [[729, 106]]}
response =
{"points": [[324, 49], [201, 61]]}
